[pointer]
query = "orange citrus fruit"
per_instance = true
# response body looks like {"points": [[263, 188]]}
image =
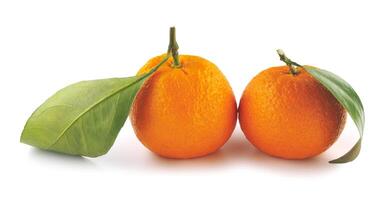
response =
{"points": [[184, 112], [289, 115]]}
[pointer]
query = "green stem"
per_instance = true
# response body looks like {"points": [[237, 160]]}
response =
{"points": [[173, 48], [291, 64], [172, 51]]}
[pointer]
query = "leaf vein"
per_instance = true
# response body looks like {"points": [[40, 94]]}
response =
{"points": [[91, 107]]}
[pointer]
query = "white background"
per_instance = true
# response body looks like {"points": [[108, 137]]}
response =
{"points": [[46, 45]]}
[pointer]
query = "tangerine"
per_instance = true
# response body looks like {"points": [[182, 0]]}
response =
{"points": [[184, 112], [290, 115]]}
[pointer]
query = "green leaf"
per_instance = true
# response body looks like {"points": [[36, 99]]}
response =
{"points": [[349, 99], [83, 118]]}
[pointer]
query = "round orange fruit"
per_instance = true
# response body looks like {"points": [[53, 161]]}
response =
{"points": [[184, 111], [288, 115]]}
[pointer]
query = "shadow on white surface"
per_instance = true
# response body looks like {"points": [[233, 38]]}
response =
{"points": [[55, 158], [238, 151]]}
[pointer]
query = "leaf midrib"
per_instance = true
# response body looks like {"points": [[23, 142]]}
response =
{"points": [[360, 120], [91, 107]]}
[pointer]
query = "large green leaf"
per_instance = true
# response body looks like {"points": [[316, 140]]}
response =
{"points": [[349, 99], [84, 118]]}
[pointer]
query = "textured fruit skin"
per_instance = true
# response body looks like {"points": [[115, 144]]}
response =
{"points": [[290, 116], [184, 112]]}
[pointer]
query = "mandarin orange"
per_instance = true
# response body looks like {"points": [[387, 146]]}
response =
{"points": [[290, 115], [184, 111]]}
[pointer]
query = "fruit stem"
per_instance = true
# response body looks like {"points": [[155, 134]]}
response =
{"points": [[291, 64], [173, 48]]}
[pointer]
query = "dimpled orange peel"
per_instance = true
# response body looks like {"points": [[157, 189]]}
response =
{"points": [[287, 113], [185, 109]]}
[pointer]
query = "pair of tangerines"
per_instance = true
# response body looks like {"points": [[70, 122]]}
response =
{"points": [[187, 109]]}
